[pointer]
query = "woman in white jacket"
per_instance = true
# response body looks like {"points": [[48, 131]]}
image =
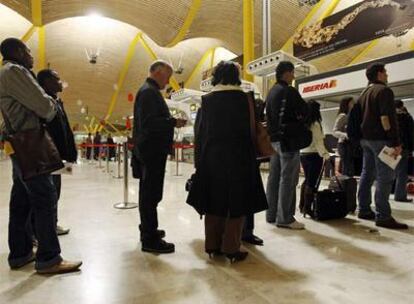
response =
{"points": [[312, 158]]}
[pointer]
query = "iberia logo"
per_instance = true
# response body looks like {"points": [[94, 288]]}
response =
{"points": [[320, 86]]}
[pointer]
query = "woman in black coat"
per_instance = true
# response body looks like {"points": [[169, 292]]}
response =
{"points": [[228, 176]]}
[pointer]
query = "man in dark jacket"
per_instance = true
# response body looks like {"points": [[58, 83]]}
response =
{"points": [[406, 132], [379, 128], [285, 164], [153, 137], [59, 129]]}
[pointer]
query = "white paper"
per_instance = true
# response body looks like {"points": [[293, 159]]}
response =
{"points": [[386, 157], [68, 169]]}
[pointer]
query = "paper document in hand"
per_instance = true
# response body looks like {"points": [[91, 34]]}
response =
{"points": [[387, 158]]}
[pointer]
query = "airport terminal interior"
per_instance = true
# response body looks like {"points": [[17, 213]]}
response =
{"points": [[102, 52]]}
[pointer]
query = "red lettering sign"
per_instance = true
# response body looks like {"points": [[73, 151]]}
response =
{"points": [[321, 86]]}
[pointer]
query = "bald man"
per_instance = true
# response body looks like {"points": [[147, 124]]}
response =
{"points": [[153, 138]]}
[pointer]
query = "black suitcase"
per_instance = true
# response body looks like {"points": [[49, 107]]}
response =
{"points": [[349, 186], [329, 204]]}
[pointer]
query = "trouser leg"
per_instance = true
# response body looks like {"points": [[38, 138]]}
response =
{"points": [[232, 235], [214, 230]]}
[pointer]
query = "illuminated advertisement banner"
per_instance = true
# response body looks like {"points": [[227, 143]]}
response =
{"points": [[362, 22]]}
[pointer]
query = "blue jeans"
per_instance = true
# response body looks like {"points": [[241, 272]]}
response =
{"points": [[400, 192], [281, 186], [374, 169], [39, 196]]}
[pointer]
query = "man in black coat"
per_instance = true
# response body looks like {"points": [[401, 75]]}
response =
{"points": [[59, 129], [153, 138], [285, 164]]}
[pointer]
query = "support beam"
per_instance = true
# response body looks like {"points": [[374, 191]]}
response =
{"points": [[248, 36], [123, 74], [28, 34], [86, 128], [195, 7], [213, 54], [304, 22], [41, 63], [364, 52], [37, 12], [332, 6], [173, 82], [206, 55], [412, 45]]}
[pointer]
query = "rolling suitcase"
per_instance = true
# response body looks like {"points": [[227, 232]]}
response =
{"points": [[328, 204], [349, 186]]}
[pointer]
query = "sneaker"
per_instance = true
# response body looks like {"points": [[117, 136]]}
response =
{"points": [[391, 223], [295, 225], [158, 246], [62, 267], [367, 216], [61, 231]]}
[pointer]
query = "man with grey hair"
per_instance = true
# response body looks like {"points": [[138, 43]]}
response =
{"points": [[153, 137]]}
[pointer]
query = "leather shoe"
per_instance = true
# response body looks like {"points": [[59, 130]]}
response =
{"points": [[391, 223], [62, 267], [252, 239], [158, 246], [160, 234], [367, 216]]}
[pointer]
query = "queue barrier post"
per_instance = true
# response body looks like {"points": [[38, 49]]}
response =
{"points": [[118, 157], [125, 204]]}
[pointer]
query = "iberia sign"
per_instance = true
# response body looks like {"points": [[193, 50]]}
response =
{"points": [[320, 86]]}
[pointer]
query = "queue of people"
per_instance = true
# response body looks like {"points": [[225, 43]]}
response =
{"points": [[227, 172]]}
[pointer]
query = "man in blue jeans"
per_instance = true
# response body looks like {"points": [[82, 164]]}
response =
{"points": [[379, 128], [284, 165], [23, 103]]}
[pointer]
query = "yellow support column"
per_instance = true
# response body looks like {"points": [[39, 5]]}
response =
{"points": [[213, 54], [173, 82], [123, 74], [206, 55], [248, 37], [364, 51], [37, 12], [28, 34], [41, 64], [332, 6], [195, 7]]}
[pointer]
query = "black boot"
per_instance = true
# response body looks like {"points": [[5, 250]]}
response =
{"points": [[309, 196], [302, 197]]}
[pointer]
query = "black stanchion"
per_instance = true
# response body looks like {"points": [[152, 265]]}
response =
{"points": [[119, 161], [125, 204]]}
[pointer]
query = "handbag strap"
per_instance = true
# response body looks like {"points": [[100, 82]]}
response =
{"points": [[318, 183]]}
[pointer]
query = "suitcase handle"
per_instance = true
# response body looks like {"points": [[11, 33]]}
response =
{"points": [[318, 183]]}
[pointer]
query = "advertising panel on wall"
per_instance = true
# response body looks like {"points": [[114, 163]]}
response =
{"points": [[362, 22]]}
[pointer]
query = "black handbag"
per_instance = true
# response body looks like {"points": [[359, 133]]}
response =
{"points": [[295, 135], [192, 186], [329, 204]]}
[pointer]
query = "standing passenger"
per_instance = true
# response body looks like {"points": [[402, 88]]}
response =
{"points": [[153, 137], [230, 180], [285, 164]]}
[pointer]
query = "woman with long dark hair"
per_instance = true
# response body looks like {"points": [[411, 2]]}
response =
{"points": [[228, 176], [312, 157], [345, 149]]}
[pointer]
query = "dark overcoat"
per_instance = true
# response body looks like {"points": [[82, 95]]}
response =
{"points": [[228, 176]]}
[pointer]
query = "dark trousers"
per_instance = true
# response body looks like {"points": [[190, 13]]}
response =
{"points": [[347, 159], [223, 233], [38, 195], [312, 165], [88, 153], [151, 186], [401, 174], [248, 226]]}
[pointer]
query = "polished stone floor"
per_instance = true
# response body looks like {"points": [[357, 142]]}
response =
{"points": [[346, 261]]}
